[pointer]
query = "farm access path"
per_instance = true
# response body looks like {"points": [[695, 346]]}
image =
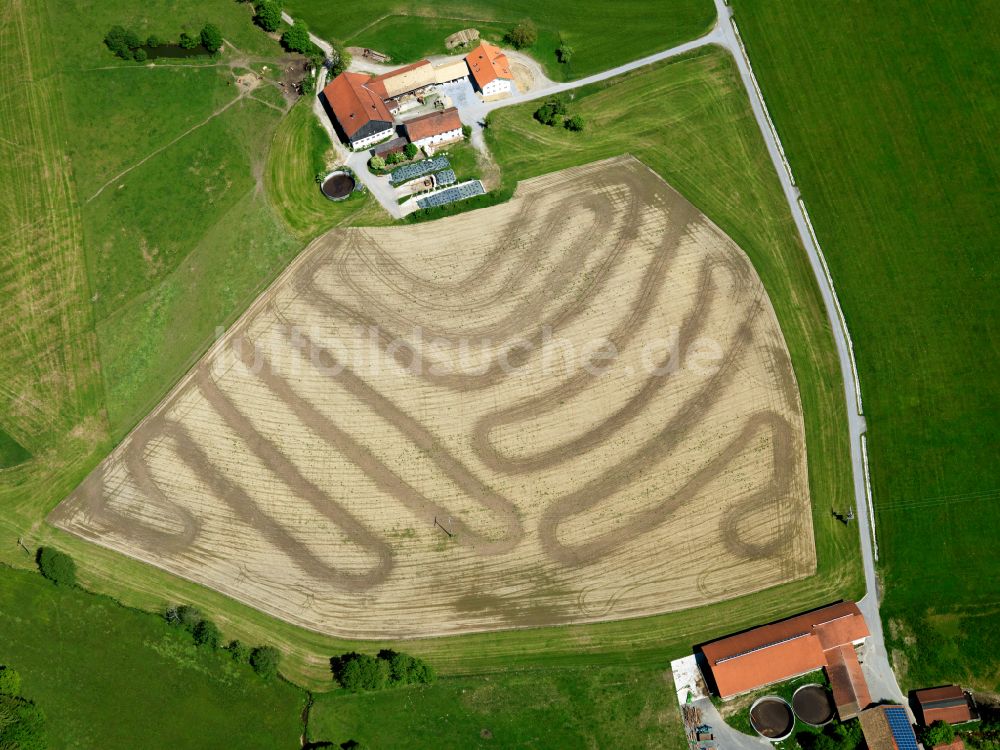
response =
{"points": [[878, 672]]}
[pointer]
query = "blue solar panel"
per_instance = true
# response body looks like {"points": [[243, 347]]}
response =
{"points": [[899, 725]]}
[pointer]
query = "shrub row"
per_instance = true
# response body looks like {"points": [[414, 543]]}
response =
{"points": [[263, 659]]}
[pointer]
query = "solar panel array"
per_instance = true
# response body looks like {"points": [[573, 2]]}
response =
{"points": [[899, 725], [451, 195], [409, 172], [446, 177]]}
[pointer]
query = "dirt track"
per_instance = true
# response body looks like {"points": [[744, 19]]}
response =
{"points": [[399, 439]]}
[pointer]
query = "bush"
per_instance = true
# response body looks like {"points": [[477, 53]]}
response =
{"points": [[467, 131], [153, 41], [211, 38], [187, 41], [139, 55], [265, 660], [57, 566], [564, 53], [268, 15], [206, 633], [410, 150], [239, 651], [574, 123], [377, 162], [939, 733], [524, 34], [10, 681], [393, 158], [22, 724]]}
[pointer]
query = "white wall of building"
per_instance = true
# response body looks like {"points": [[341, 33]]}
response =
{"points": [[373, 139], [498, 86], [433, 140]]}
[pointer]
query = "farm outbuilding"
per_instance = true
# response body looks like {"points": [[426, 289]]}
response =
{"points": [[434, 129], [888, 728], [403, 80], [947, 703]]}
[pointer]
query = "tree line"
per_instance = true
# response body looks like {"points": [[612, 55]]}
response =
{"points": [[363, 672], [128, 45], [206, 634]]}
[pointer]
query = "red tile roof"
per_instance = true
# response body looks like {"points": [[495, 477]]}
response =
{"points": [[488, 63], [784, 649], [847, 682], [946, 703], [353, 104], [432, 124]]}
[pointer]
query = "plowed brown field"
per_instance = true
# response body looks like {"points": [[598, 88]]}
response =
{"points": [[572, 407]]}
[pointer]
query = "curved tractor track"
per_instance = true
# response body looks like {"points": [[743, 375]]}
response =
{"points": [[576, 406]]}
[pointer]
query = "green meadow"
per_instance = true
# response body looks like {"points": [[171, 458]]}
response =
{"points": [[601, 35], [891, 121]]}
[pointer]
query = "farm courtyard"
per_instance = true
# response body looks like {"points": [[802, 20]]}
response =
{"points": [[575, 406]]}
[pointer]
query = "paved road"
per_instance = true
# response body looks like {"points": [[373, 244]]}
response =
{"points": [[881, 679]]}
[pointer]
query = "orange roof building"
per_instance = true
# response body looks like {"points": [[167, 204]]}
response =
{"points": [[490, 69], [360, 114], [821, 639], [948, 703]]}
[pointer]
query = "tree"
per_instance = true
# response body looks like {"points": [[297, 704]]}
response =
{"points": [[340, 59], [574, 123], [139, 55], [296, 39], [153, 41], [10, 681], [523, 34], [268, 15], [132, 40], [550, 111], [393, 158], [939, 733], [265, 660], [377, 162], [114, 40], [187, 41], [239, 651], [211, 38], [184, 616], [564, 53], [357, 672], [410, 150], [206, 633], [57, 566], [22, 724]]}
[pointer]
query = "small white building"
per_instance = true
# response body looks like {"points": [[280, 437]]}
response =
{"points": [[434, 129], [490, 70]]}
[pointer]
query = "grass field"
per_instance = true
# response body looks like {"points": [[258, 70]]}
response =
{"points": [[300, 149], [891, 120], [637, 28], [110, 677], [565, 708]]}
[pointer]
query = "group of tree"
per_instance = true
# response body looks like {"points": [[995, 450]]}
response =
{"points": [[378, 163], [128, 45], [362, 672], [206, 634], [553, 113], [836, 736], [57, 566], [522, 34], [22, 723]]}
